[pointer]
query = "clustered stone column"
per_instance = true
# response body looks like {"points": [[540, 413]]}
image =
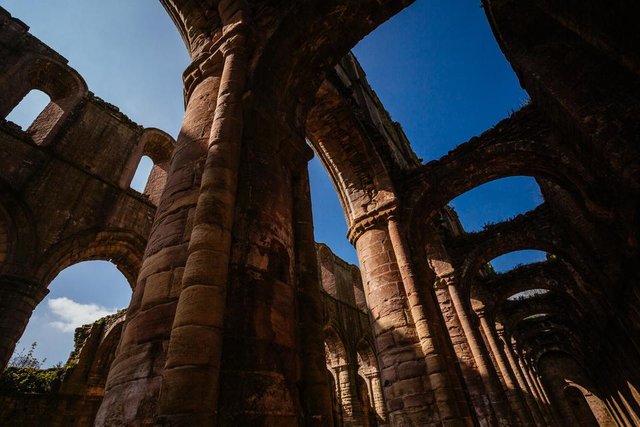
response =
{"points": [[135, 375], [512, 391], [522, 384], [347, 386], [377, 397], [483, 364], [190, 379], [413, 371]]}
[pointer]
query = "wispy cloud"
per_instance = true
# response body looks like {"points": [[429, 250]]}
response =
{"points": [[73, 314]]}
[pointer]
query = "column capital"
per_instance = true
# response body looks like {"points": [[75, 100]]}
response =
{"points": [[345, 367], [481, 312], [373, 219], [443, 281], [211, 61]]}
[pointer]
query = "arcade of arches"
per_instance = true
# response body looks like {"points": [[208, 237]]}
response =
{"points": [[238, 318]]}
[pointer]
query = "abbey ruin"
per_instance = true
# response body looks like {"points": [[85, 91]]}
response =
{"points": [[239, 318]]}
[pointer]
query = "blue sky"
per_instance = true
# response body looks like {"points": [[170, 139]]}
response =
{"points": [[435, 66]]}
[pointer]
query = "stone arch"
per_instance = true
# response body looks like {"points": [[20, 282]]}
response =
{"points": [[533, 230], [508, 149], [63, 85], [94, 357], [561, 370], [345, 149], [369, 371], [339, 361], [97, 375], [198, 23], [335, 349], [548, 275], [289, 70], [123, 248], [530, 291], [547, 52], [558, 305]]}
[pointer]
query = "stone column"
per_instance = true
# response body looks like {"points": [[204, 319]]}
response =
{"points": [[190, 380], [422, 305], [315, 391], [402, 364], [543, 391], [473, 381], [556, 385], [540, 400], [377, 397], [553, 415], [512, 391], [352, 410], [18, 298], [485, 368], [524, 387], [135, 375]]}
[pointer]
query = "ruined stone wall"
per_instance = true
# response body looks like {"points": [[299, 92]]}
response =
{"points": [[75, 395], [64, 181], [75, 399]]}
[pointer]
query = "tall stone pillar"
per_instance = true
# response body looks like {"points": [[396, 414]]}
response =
{"points": [[553, 414], [472, 379], [402, 366], [134, 379], [483, 363], [416, 387], [540, 399], [377, 397], [347, 385], [512, 390], [534, 408], [316, 393], [18, 298], [190, 379], [423, 307]]}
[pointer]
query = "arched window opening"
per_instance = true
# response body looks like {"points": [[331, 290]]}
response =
{"points": [[496, 201], [368, 370], [79, 295], [524, 295], [27, 111], [516, 259], [143, 172], [337, 365]]}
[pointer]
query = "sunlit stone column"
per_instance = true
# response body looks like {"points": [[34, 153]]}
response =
{"points": [[485, 367], [423, 305], [515, 398], [377, 396], [524, 387], [351, 407], [402, 364], [135, 376]]}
